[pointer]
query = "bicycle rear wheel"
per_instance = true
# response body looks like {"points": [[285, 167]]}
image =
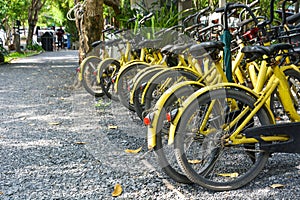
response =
{"points": [[164, 151], [164, 81], [140, 84], [125, 83], [200, 146], [108, 70], [89, 76]]}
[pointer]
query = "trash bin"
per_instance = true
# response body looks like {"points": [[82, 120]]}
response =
{"points": [[69, 41], [47, 41]]}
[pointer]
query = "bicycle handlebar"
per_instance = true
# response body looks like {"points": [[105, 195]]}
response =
{"points": [[108, 29], [283, 10], [132, 20], [192, 27], [145, 18], [232, 6]]}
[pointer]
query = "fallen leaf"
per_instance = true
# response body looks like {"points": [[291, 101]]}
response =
{"points": [[277, 185], [61, 98], [112, 127], [232, 175], [54, 123], [117, 190], [31, 124], [80, 142], [133, 151], [1, 193], [194, 161]]}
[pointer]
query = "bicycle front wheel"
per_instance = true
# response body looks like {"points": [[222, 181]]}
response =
{"points": [[201, 148]]}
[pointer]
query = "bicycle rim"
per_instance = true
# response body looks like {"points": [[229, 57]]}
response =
{"points": [[108, 74], [205, 158], [89, 76], [165, 153]]}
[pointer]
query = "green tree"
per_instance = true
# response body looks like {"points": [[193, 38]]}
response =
{"points": [[33, 14]]}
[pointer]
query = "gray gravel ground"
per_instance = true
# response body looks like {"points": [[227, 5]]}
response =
{"points": [[55, 144]]}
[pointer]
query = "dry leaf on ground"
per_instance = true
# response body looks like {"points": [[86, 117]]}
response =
{"points": [[117, 190], [232, 175], [277, 185], [112, 127], [133, 151], [80, 142], [54, 123], [194, 161]]}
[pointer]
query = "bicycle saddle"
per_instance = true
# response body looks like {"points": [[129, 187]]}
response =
{"points": [[266, 50], [179, 48], [205, 47], [166, 49], [94, 44], [112, 42], [153, 43], [292, 19]]}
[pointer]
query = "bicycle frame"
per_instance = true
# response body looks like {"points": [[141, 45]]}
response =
{"points": [[277, 81], [238, 76]]}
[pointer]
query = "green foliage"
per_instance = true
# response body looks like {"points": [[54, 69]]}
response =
{"points": [[201, 4], [4, 9], [34, 47], [14, 10], [126, 14], [54, 14], [166, 16]]}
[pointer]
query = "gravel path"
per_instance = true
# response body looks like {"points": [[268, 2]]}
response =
{"points": [[55, 144]]}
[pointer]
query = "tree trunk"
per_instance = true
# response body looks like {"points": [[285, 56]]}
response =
{"points": [[91, 27], [33, 12], [115, 4]]}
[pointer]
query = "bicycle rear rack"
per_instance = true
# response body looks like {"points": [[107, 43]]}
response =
{"points": [[291, 129]]}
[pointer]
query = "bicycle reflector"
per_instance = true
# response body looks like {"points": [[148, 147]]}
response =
{"points": [[171, 115], [148, 119], [143, 85]]}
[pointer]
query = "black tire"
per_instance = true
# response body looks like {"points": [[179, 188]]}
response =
{"points": [[108, 72], [89, 76], [154, 91], [138, 91], [164, 152], [125, 83], [211, 161]]}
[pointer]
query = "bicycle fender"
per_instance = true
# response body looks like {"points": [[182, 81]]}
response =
{"points": [[202, 91], [104, 62], [124, 67], [152, 129], [161, 73], [140, 76]]}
